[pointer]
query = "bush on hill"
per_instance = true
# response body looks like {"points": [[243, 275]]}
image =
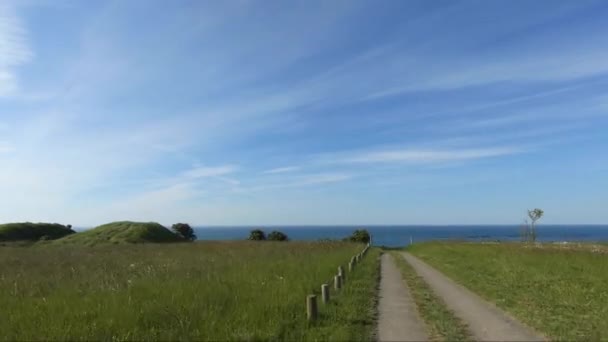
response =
{"points": [[28, 231]]}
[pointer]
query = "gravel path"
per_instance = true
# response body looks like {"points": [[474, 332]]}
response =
{"points": [[398, 318], [486, 322]]}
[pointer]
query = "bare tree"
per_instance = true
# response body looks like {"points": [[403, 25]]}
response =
{"points": [[534, 216]]}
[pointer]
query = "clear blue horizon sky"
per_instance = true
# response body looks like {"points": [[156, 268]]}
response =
{"points": [[303, 112]]}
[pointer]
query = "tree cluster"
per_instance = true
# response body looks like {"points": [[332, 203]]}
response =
{"points": [[259, 235], [359, 236], [184, 230]]}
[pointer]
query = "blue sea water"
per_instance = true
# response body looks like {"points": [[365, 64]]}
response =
{"points": [[396, 236]]}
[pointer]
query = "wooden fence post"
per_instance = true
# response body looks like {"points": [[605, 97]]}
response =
{"points": [[311, 307], [325, 293], [341, 273], [351, 266], [337, 282]]}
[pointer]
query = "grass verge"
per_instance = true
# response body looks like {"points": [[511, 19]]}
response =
{"points": [[560, 292], [351, 313], [195, 291], [441, 323]]}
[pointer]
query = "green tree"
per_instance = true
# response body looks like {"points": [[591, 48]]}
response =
{"points": [[257, 235], [360, 236], [277, 236], [184, 230]]}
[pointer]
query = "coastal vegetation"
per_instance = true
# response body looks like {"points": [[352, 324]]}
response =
{"points": [[184, 230], [275, 235], [360, 236], [197, 291], [28, 231], [560, 290], [257, 235]]}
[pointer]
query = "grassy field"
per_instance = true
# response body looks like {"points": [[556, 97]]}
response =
{"points": [[441, 323], [197, 291], [562, 292]]}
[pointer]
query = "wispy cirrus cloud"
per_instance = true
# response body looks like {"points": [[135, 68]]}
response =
{"points": [[427, 156], [204, 172], [300, 181], [14, 49], [282, 170]]}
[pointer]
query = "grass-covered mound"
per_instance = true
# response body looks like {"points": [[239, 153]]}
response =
{"points": [[28, 231], [122, 232]]}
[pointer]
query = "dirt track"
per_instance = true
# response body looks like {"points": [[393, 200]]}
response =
{"points": [[486, 322], [398, 317]]}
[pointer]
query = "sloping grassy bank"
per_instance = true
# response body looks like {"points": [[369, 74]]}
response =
{"points": [[561, 292], [197, 291]]}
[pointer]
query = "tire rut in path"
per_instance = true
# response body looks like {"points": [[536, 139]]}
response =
{"points": [[485, 321], [398, 317]]}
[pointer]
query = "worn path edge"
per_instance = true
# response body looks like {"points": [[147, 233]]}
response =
{"points": [[485, 321], [398, 318]]}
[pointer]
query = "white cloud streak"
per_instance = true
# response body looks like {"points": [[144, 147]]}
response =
{"points": [[430, 155], [282, 170], [204, 172], [14, 50]]}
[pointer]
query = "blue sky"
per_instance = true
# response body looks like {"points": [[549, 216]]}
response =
{"points": [[303, 112]]}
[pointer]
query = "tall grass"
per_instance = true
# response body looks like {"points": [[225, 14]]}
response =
{"points": [[200, 291], [561, 292]]}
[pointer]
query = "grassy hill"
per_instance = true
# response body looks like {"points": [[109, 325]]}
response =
{"points": [[122, 232], [28, 231]]}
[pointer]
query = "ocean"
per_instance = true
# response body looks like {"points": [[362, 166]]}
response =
{"points": [[397, 236]]}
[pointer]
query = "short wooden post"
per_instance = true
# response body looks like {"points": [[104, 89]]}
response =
{"points": [[337, 282], [353, 259], [311, 307], [341, 273], [325, 293], [351, 266]]}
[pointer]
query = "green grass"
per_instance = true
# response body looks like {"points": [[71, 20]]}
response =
{"points": [[562, 292], [195, 291], [441, 323], [122, 232], [28, 231]]}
